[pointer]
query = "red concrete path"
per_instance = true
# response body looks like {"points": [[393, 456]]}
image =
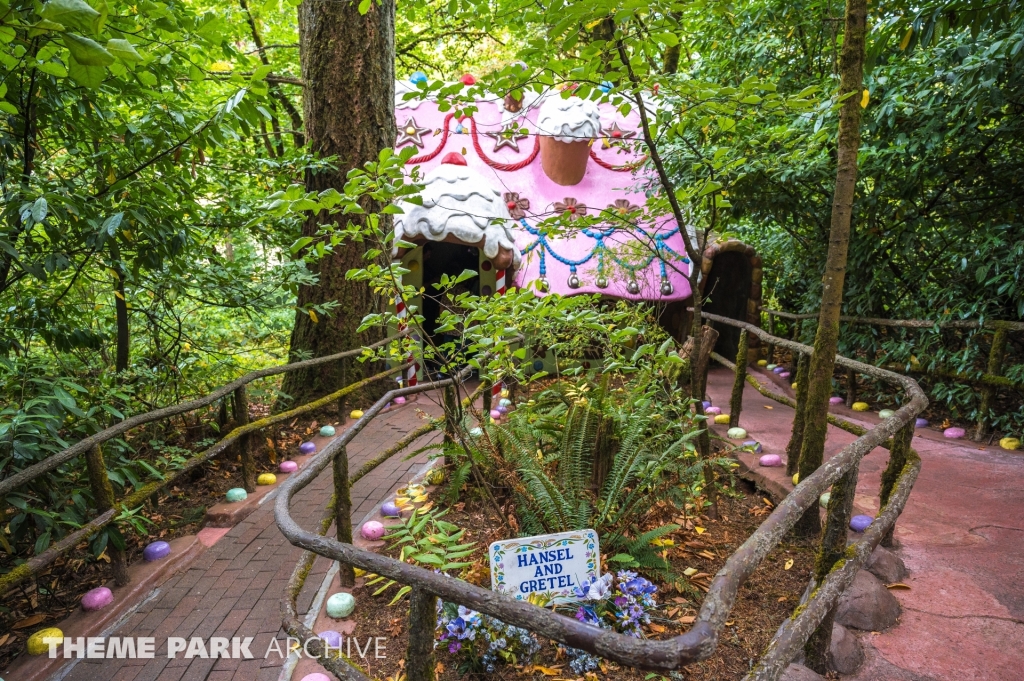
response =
{"points": [[235, 587], [961, 536]]}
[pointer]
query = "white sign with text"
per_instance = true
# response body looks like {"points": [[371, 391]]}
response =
{"points": [[550, 564]]}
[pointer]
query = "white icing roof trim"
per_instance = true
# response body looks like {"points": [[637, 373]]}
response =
{"points": [[569, 120], [458, 202]]}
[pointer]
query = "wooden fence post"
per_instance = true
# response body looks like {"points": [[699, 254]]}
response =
{"points": [[342, 409], [771, 344], [897, 461], [796, 330], [422, 623], [103, 494], [487, 399], [995, 368], [343, 512], [796, 437], [851, 387], [241, 408], [736, 403], [452, 414]]}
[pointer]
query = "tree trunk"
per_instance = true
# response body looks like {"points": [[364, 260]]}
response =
{"points": [[827, 337], [348, 68]]}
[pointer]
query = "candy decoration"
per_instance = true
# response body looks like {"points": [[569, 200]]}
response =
{"points": [[39, 642], [236, 494], [835, 399], [859, 523], [327, 431], [399, 400], [340, 605], [886, 414], [721, 418], [736, 433], [97, 598], [921, 423], [331, 638], [389, 509], [754, 446], [356, 414], [796, 478], [1010, 443], [713, 411], [307, 448], [418, 77], [156, 551], [860, 406], [824, 499], [762, 362], [372, 530], [954, 433], [770, 460], [468, 79], [266, 479], [495, 414], [288, 467]]}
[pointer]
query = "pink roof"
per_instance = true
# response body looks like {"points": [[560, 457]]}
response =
{"points": [[616, 252]]}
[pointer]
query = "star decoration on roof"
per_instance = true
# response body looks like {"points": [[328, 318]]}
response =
{"points": [[507, 137], [571, 208], [616, 136], [411, 132], [517, 207]]}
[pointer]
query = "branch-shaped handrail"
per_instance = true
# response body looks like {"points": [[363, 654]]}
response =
{"points": [[82, 446], [907, 323]]}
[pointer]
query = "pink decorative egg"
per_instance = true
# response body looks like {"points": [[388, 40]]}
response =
{"points": [[495, 414], [836, 400], [288, 467], [954, 433], [770, 460], [317, 676], [784, 374], [307, 448], [97, 598], [399, 400], [372, 530], [714, 411]]}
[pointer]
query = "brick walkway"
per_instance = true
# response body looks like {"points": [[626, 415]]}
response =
{"points": [[235, 587]]}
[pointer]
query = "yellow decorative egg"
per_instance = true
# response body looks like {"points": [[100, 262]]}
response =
{"points": [[796, 478], [762, 362], [266, 479], [39, 642], [794, 386], [359, 572], [721, 418], [504, 392], [1010, 443], [860, 406], [435, 476], [356, 413]]}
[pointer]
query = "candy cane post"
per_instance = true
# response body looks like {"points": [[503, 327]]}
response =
{"points": [[499, 282]]}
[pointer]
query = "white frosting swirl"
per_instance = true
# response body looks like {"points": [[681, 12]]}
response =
{"points": [[569, 120], [458, 202]]}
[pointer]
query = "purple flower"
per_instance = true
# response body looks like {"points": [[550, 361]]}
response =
{"points": [[454, 647]]}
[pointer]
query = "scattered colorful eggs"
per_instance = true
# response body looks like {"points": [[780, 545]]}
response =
{"points": [[736, 433], [331, 638], [754, 446], [399, 400], [372, 530], [39, 642], [266, 479], [157, 550], [288, 467], [859, 523], [762, 362], [502, 410], [340, 605], [886, 414], [505, 402], [921, 423], [793, 386], [356, 414], [495, 414], [860, 406], [721, 418], [771, 367], [779, 369], [954, 433], [307, 448], [707, 405], [770, 460], [796, 478], [97, 598], [389, 509], [824, 499], [713, 411], [236, 494], [835, 399], [504, 392], [1010, 443], [327, 431]]}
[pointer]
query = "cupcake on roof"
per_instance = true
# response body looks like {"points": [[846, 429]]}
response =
{"points": [[568, 127]]}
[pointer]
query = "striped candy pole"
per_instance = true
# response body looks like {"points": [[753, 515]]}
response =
{"points": [[499, 282]]}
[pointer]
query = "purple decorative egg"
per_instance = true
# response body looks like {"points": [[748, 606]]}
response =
{"points": [[859, 523], [770, 460], [836, 400], [714, 411], [707, 404], [502, 410], [331, 638], [921, 423], [755, 445], [495, 414], [954, 433], [97, 598], [156, 551], [389, 509], [779, 370], [307, 448], [316, 676], [288, 467], [399, 400], [372, 530], [784, 374]]}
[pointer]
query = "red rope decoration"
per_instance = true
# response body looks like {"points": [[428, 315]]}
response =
{"points": [[433, 154], [508, 167], [619, 169]]}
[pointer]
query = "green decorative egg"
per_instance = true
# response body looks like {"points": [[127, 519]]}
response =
{"points": [[737, 433], [340, 605], [236, 494]]}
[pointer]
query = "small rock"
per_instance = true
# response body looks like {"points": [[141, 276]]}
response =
{"points": [[97, 598], [476, 432], [754, 446], [867, 605], [495, 414], [333, 638], [847, 655], [798, 672], [770, 367], [886, 565]]}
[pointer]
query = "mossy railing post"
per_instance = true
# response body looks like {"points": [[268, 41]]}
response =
{"points": [[736, 401], [487, 399], [342, 408], [422, 622], [897, 461], [995, 368], [241, 407], [103, 495], [771, 344], [796, 330], [452, 417], [851, 387], [343, 512], [796, 437]]}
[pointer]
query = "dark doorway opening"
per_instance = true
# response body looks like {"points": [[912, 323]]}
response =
{"points": [[726, 293], [441, 258]]}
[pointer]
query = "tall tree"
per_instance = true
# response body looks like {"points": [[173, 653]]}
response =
{"points": [[348, 68]]}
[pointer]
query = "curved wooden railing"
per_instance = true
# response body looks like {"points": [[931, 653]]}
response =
{"points": [[700, 641]]}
